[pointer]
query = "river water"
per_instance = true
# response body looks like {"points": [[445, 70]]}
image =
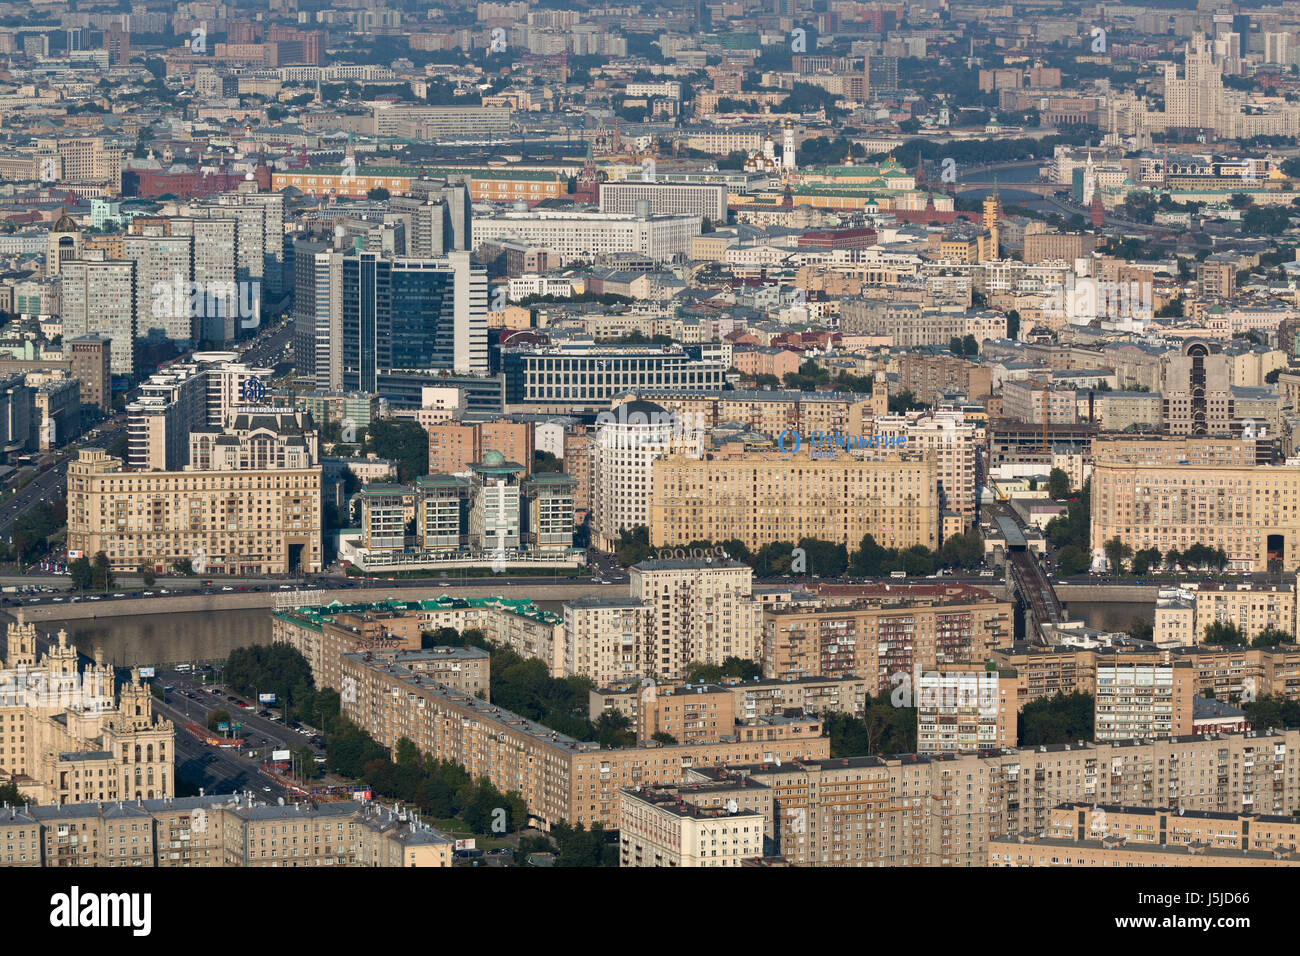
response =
{"points": [[157, 639]]}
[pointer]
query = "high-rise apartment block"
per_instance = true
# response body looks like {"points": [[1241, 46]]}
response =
{"points": [[962, 708], [887, 634], [90, 356], [99, 298], [455, 445], [1143, 699], [172, 404]]}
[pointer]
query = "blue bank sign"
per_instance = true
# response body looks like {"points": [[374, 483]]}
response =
{"points": [[825, 444]]}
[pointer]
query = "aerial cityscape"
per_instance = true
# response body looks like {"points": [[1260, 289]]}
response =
{"points": [[555, 434]]}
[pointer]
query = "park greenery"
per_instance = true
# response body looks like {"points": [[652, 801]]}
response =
{"points": [[1060, 719], [883, 728], [822, 559]]}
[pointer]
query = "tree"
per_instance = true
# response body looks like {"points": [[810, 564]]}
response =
{"points": [[738, 667], [1062, 718], [1271, 637], [146, 574], [962, 551], [216, 717], [81, 573], [1058, 484], [954, 345], [1224, 632], [404, 441], [1013, 325], [663, 737], [308, 769], [1072, 560], [1073, 526], [544, 461], [883, 728], [1140, 629], [1116, 553], [11, 795], [583, 847], [378, 194], [1146, 559], [185, 566], [970, 346]]}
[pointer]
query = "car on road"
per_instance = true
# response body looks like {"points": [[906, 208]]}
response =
{"points": [[266, 789]]}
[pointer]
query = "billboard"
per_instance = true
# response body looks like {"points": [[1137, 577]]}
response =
{"points": [[223, 726], [465, 844], [266, 698], [278, 755], [146, 672]]}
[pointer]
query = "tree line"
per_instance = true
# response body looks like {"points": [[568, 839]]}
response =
{"points": [[824, 559]]}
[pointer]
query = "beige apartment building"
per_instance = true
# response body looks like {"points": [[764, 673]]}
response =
{"points": [[1116, 411], [679, 612], [768, 412], [237, 522], [665, 828], [217, 831], [928, 376], [752, 698], [1030, 400], [699, 611], [1165, 827], [689, 713], [395, 627], [1044, 246], [1033, 850], [68, 736], [1177, 492], [1138, 699], [952, 443], [454, 446], [946, 811], [559, 778], [606, 639], [962, 708], [884, 638], [764, 497], [1250, 606], [1221, 673]]}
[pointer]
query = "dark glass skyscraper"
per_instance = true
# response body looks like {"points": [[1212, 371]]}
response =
{"points": [[411, 315]]}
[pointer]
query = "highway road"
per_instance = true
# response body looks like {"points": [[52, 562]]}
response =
{"points": [[222, 769], [50, 484]]}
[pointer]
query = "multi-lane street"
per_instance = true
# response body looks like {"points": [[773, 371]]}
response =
{"points": [[224, 769]]}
